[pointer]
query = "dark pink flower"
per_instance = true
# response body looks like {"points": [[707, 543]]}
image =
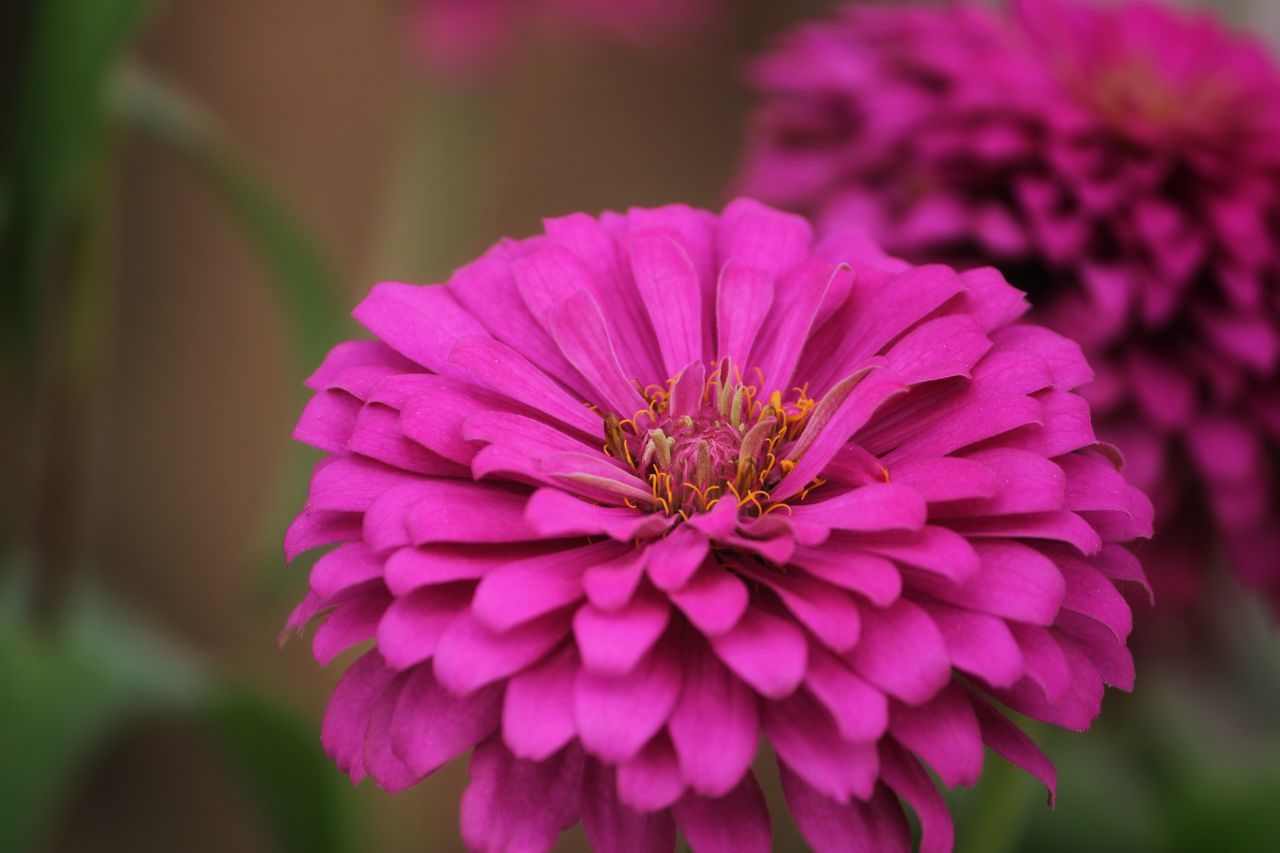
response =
{"points": [[468, 36], [1122, 164], [621, 498]]}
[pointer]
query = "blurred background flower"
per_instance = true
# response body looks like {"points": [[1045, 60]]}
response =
{"points": [[191, 196], [1121, 163]]}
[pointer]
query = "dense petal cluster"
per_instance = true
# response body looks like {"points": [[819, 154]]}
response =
{"points": [[1119, 162], [622, 498], [467, 36]]}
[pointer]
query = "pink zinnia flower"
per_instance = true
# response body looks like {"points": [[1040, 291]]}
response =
{"points": [[1120, 163], [621, 498], [468, 36]]}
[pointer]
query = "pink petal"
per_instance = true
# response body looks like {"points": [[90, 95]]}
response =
{"points": [[408, 569], [1010, 742], [504, 371], [353, 621], [861, 712], [537, 712], [715, 726], [805, 737], [328, 421], [829, 826], [611, 825], [671, 562], [421, 323], [765, 651], [347, 716], [668, 285], [617, 715], [945, 478], [454, 511], [652, 780], [344, 567], [905, 775], [735, 823], [1013, 581], [431, 727], [469, 655], [386, 768], [902, 652], [830, 614], [978, 643], [713, 601], [434, 417], [413, 625], [744, 295], [848, 567], [518, 592], [944, 733], [579, 330], [552, 512], [614, 642], [879, 506], [512, 804]]}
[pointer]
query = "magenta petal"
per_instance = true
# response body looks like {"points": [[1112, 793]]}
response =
{"points": [[848, 567], [469, 655], [613, 826], [765, 651], [611, 586], [431, 727], [830, 614], [386, 768], [614, 642], [353, 354], [347, 716], [829, 826], [434, 417], [879, 506], [861, 711], [1013, 581], [652, 780], [408, 569], [936, 550], [353, 621], [352, 483], [744, 295], [1013, 744], [518, 592], [905, 776], [668, 285], [537, 711], [413, 625], [344, 567], [671, 562], [978, 643], [714, 600], [735, 823], [313, 528], [1025, 482], [946, 478], [715, 726], [805, 737], [902, 652], [579, 330], [1044, 661], [328, 421], [456, 511], [512, 804], [944, 733], [421, 323], [552, 512], [617, 715], [504, 371]]}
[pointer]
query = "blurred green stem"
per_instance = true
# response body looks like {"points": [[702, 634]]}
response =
{"points": [[67, 425]]}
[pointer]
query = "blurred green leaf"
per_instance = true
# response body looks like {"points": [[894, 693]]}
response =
{"points": [[294, 784], [306, 287], [67, 688], [53, 133]]}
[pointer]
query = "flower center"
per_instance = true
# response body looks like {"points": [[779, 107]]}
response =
{"points": [[701, 442]]}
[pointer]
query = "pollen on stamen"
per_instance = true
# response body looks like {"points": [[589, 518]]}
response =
{"points": [[734, 443]]}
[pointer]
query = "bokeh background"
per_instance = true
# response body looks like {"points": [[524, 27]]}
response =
{"points": [[194, 194]]}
